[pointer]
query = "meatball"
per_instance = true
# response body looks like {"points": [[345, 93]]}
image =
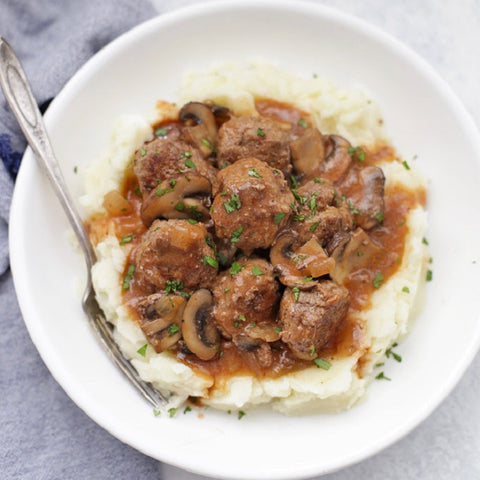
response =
{"points": [[310, 318], [164, 159], [246, 298], [174, 250], [259, 137], [252, 202], [320, 212]]}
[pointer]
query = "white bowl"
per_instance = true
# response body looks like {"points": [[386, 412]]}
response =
{"points": [[423, 118]]}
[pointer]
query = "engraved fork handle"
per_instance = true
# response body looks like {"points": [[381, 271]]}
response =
{"points": [[22, 102]]}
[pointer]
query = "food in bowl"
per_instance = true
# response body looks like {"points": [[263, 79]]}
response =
{"points": [[262, 243]]}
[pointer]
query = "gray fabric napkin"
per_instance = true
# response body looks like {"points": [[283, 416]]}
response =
{"points": [[43, 435]]}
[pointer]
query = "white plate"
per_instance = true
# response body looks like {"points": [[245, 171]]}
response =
{"points": [[422, 116]]}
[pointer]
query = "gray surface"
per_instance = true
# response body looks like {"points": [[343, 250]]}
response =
{"points": [[45, 436]]}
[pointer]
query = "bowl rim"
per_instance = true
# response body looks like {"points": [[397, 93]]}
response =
{"points": [[144, 29]]}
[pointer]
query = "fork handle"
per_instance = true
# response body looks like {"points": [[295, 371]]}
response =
{"points": [[22, 102]]}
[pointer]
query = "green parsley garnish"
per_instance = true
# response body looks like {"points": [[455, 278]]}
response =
{"points": [[260, 132], [241, 414], [236, 235], [381, 376], [210, 242], [180, 206], [257, 271], [127, 239], [222, 258], [357, 152], [253, 173], [161, 191], [173, 329], [192, 221], [172, 411], [406, 289], [429, 276], [156, 412], [314, 226], [396, 356], [160, 132], [233, 204], [278, 217], [303, 123], [208, 144], [379, 216], [138, 192], [242, 318], [406, 165], [143, 152], [322, 363], [296, 293], [190, 164], [294, 182], [75, 169], [378, 280], [352, 208], [207, 260], [128, 277], [142, 350], [236, 268], [188, 408], [313, 203], [172, 183], [424, 241]]}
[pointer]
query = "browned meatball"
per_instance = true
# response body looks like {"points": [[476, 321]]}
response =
{"points": [[174, 250], [310, 318], [258, 137], [320, 212], [252, 203], [246, 298], [164, 159]]}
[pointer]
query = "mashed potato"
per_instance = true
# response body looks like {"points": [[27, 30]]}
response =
{"points": [[350, 113]]}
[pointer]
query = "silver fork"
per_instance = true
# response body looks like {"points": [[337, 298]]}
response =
{"points": [[22, 102]]}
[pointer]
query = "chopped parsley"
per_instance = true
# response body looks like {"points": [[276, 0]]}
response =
{"points": [[257, 271], [236, 268], [156, 412], [172, 411], [127, 239], [173, 329], [406, 165], [378, 280], [233, 204], [294, 182], [396, 356], [138, 192], [253, 173], [314, 226], [322, 363], [207, 260], [192, 221], [406, 289], [382, 376], [357, 152], [429, 276], [160, 132], [128, 277], [424, 241], [142, 350], [242, 318], [161, 191], [172, 183], [190, 164], [180, 206], [296, 293], [313, 203], [143, 152], [236, 235], [260, 132], [303, 123], [278, 217], [208, 144], [209, 241], [379, 216], [188, 408], [241, 414], [352, 208]]}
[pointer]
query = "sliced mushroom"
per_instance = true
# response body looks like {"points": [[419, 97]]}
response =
{"points": [[198, 327], [336, 244], [337, 159], [160, 319], [204, 134], [358, 253], [371, 202], [246, 343], [308, 152], [285, 261], [313, 260], [175, 199]]}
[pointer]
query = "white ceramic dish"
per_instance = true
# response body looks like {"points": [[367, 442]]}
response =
{"points": [[423, 118]]}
